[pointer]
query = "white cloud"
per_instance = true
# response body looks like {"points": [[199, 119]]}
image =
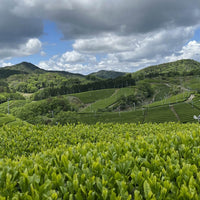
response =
{"points": [[115, 34], [189, 51], [43, 53], [88, 18], [139, 46], [32, 46], [4, 64], [70, 61], [105, 43], [72, 57], [127, 53]]}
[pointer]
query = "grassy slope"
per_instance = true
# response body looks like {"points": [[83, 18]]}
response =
{"points": [[104, 103], [160, 91], [179, 66], [171, 100], [92, 96], [160, 115], [186, 112], [192, 83], [114, 117]]}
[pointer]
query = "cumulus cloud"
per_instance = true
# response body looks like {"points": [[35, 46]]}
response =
{"points": [[4, 64], [16, 29], [72, 57], [43, 53], [137, 46], [70, 61], [86, 18], [17, 33], [30, 47], [126, 34], [189, 51]]}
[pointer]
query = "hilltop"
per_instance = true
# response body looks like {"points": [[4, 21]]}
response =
{"points": [[107, 74], [178, 68]]}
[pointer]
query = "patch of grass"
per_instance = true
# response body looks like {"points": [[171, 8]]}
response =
{"points": [[196, 101], [171, 100], [192, 83], [114, 117], [160, 115], [92, 96], [186, 112], [104, 103], [162, 90]]}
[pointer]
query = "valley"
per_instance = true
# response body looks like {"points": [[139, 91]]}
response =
{"points": [[168, 92]]}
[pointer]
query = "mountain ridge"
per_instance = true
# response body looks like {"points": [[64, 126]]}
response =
{"points": [[28, 68], [145, 96], [108, 74], [179, 67]]}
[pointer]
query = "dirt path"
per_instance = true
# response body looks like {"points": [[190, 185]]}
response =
{"points": [[115, 92], [154, 96], [190, 98], [168, 85], [175, 113]]}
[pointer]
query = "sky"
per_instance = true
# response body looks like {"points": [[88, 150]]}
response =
{"points": [[85, 36]]}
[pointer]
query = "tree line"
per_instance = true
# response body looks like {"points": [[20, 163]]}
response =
{"points": [[119, 82]]}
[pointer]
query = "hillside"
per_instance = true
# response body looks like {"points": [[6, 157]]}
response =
{"points": [[162, 93], [29, 68], [107, 74], [21, 68], [177, 68], [24, 67]]}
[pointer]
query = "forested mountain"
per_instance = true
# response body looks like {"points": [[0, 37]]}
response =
{"points": [[28, 78], [29, 68]]}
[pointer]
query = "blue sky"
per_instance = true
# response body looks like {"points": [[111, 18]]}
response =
{"points": [[83, 36]]}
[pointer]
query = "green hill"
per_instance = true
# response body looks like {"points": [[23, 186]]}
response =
{"points": [[108, 74], [22, 68], [177, 68], [155, 94], [29, 68]]}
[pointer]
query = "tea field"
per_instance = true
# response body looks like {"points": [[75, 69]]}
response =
{"points": [[101, 161]]}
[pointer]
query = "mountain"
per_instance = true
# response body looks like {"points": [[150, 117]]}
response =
{"points": [[107, 74], [25, 67], [21, 68], [180, 67], [158, 93], [29, 68]]}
